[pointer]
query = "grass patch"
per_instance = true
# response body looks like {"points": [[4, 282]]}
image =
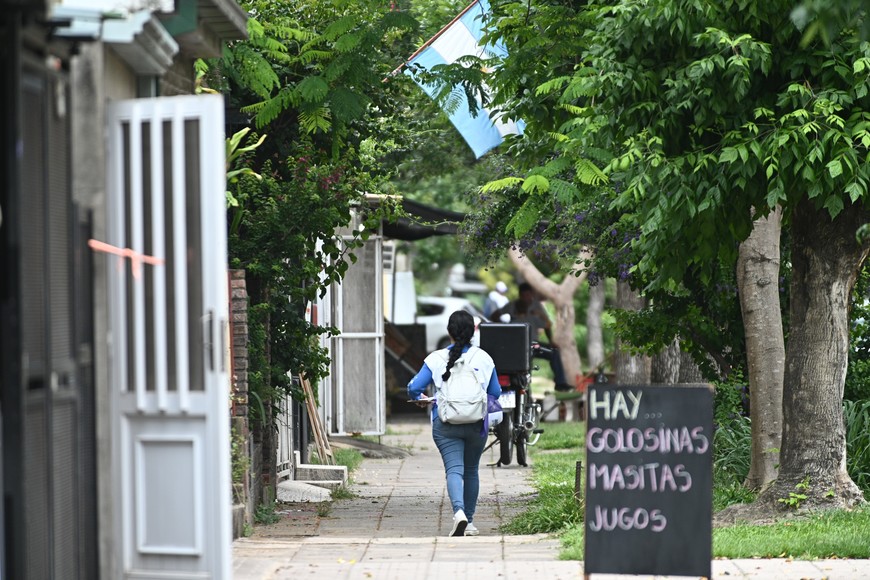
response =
{"points": [[841, 534], [350, 458], [572, 543], [554, 508], [561, 436]]}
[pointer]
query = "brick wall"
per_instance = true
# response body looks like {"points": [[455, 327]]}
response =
{"points": [[260, 435], [244, 492]]}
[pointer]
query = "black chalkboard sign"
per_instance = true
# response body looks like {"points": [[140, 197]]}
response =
{"points": [[649, 480]]}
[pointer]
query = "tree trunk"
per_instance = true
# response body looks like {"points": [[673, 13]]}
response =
{"points": [[825, 263], [630, 369], [562, 297], [690, 372], [594, 333], [665, 368], [758, 281]]}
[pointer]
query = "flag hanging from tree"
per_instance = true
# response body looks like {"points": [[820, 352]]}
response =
{"points": [[461, 37]]}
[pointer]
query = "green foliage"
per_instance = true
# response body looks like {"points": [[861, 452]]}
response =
{"points": [[858, 374], [728, 399], [310, 75], [554, 508], [266, 514], [731, 456], [313, 68], [797, 497], [826, 20], [285, 236], [856, 415], [235, 167], [239, 458], [732, 441]]}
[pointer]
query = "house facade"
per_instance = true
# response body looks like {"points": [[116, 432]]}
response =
{"points": [[113, 292]]}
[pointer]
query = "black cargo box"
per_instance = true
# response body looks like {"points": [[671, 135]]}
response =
{"points": [[508, 344]]}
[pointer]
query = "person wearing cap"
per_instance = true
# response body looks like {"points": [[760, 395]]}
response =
{"points": [[496, 299]]}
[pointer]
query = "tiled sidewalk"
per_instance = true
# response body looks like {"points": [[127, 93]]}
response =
{"points": [[396, 529]]}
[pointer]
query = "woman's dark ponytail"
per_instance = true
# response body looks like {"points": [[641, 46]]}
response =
{"points": [[460, 327]]}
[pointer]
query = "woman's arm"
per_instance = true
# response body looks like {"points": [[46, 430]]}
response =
{"points": [[493, 388], [420, 382]]}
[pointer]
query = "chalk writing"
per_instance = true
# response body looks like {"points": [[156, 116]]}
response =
{"points": [[613, 404], [651, 439], [608, 519], [649, 476]]}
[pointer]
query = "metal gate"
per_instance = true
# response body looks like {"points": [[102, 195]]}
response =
{"points": [[354, 395], [168, 336]]}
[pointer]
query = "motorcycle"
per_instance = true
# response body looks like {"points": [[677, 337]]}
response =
{"points": [[518, 429]]}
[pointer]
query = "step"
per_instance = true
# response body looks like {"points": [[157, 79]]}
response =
{"points": [[300, 492], [312, 472], [329, 484]]}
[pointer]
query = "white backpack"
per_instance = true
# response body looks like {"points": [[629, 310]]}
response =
{"points": [[462, 398]]}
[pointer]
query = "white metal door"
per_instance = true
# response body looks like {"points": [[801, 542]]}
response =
{"points": [[168, 325], [353, 397]]}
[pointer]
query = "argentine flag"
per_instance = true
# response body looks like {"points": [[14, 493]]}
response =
{"points": [[460, 38]]}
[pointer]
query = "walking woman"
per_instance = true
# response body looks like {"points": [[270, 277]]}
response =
{"points": [[461, 445]]}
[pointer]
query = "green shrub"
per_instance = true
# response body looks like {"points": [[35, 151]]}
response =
{"points": [[731, 457], [858, 372], [857, 379], [728, 398], [857, 418], [266, 514]]}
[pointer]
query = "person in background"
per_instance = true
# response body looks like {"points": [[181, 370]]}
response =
{"points": [[461, 446], [496, 299], [527, 308]]}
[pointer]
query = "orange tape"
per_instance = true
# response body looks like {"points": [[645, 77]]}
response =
{"points": [[136, 258]]}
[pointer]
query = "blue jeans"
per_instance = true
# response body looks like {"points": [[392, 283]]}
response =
{"points": [[461, 447]]}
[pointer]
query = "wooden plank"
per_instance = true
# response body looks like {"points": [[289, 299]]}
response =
{"points": [[324, 451]]}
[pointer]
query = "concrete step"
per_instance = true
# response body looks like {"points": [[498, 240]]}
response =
{"points": [[331, 485], [300, 492], [312, 472]]}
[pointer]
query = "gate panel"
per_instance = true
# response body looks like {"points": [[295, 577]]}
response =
{"points": [[356, 402], [168, 320]]}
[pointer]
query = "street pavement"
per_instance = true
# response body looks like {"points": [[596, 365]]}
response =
{"points": [[396, 525]]}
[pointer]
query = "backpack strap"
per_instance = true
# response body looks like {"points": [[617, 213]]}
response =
{"points": [[469, 354]]}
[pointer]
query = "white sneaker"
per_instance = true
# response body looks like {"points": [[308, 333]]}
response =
{"points": [[460, 522], [470, 530]]}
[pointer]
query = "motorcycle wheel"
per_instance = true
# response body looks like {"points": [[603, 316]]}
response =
{"points": [[504, 432], [522, 438]]}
